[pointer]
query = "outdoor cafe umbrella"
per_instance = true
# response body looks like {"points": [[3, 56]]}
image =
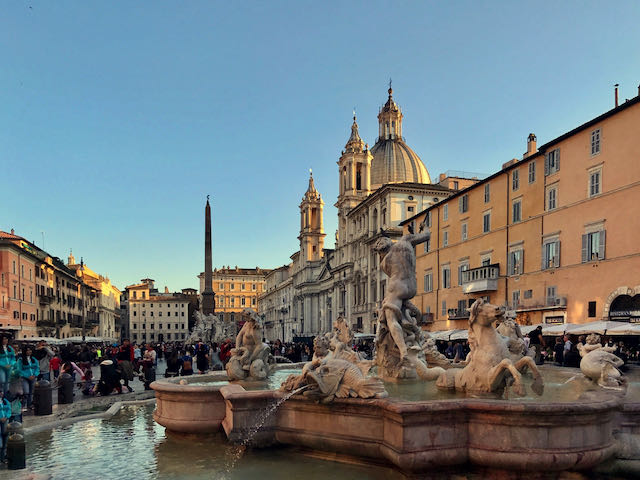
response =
{"points": [[625, 329], [559, 329], [600, 327]]}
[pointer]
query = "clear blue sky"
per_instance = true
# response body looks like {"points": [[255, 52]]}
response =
{"points": [[118, 118]]}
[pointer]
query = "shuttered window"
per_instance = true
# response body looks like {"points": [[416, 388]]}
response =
{"points": [[551, 254], [593, 246], [516, 262], [552, 162]]}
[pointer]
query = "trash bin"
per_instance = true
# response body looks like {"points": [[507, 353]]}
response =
{"points": [[65, 389], [42, 398], [16, 451]]}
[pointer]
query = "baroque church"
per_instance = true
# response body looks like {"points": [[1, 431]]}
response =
{"points": [[379, 188]]}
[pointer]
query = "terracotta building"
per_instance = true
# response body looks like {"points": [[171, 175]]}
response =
{"points": [[236, 289], [550, 235]]}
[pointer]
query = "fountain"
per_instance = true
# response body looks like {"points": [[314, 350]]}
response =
{"points": [[250, 359], [346, 412]]}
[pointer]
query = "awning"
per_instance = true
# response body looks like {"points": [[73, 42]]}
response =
{"points": [[525, 329], [459, 335], [559, 329], [600, 327]]}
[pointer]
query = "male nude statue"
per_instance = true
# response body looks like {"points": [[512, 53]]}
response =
{"points": [[398, 261]]}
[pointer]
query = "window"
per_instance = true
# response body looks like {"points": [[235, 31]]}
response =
{"points": [[463, 203], [515, 298], [427, 219], [253, 287], [552, 162], [410, 209], [552, 197], [427, 245], [528, 294], [253, 301], [455, 184], [593, 246], [516, 262], [463, 231], [551, 295], [595, 142], [428, 282], [486, 222], [532, 172], [159, 314], [221, 286], [242, 287], [551, 254], [592, 309], [444, 307], [515, 180], [446, 276], [463, 267], [445, 238], [242, 301], [594, 183], [516, 211], [232, 285], [445, 212]]}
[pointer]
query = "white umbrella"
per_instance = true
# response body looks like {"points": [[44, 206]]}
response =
{"points": [[558, 329], [529, 328], [625, 329], [599, 327], [459, 335]]}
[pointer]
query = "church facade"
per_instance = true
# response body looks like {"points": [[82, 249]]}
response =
{"points": [[378, 188]]}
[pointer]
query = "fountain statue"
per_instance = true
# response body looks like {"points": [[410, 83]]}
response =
{"points": [[336, 370], [489, 366], [433, 356], [600, 365], [251, 359], [210, 328], [399, 353], [507, 327]]}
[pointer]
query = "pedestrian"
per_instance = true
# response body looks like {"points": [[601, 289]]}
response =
{"points": [[566, 351], [5, 415], [558, 350], [187, 364], [7, 362], [125, 359], [148, 365], [174, 364], [537, 342], [29, 371], [54, 366], [202, 358], [43, 354]]}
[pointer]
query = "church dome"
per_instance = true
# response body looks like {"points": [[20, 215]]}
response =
{"points": [[393, 160]]}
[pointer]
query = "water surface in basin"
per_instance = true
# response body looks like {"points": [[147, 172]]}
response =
{"points": [[132, 445], [561, 385]]}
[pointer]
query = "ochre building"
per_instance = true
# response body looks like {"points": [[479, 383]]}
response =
{"points": [[553, 235]]}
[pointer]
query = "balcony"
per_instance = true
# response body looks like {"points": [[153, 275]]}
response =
{"points": [[455, 314], [46, 299], [556, 302], [481, 279], [427, 318]]}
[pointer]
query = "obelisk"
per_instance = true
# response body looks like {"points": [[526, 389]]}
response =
{"points": [[208, 296]]}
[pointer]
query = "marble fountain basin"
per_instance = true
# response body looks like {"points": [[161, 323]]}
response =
{"points": [[414, 436]]}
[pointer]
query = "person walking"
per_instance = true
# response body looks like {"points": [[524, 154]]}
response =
{"points": [[558, 350], [537, 342], [202, 358], [44, 355], [29, 371], [125, 360], [7, 361], [5, 415], [148, 365], [566, 351]]}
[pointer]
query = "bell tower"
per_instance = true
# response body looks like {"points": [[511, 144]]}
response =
{"points": [[354, 170], [311, 230]]}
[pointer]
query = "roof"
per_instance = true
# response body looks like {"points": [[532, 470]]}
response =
{"points": [[541, 150], [400, 186], [394, 161], [10, 236]]}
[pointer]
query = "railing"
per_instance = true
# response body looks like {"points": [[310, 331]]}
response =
{"points": [[487, 272], [46, 299], [426, 319], [455, 314]]}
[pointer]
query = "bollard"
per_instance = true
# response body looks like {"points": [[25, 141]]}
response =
{"points": [[65, 388], [16, 451], [42, 398]]}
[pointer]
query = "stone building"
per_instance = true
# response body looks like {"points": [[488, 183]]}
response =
{"points": [[104, 295], [378, 188], [551, 234], [236, 289], [40, 295], [157, 317]]}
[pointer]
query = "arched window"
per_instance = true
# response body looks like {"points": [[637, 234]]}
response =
{"points": [[375, 219]]}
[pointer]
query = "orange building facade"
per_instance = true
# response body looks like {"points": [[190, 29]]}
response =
{"points": [[552, 235]]}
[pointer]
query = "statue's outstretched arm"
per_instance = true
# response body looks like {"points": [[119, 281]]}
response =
{"points": [[418, 238]]}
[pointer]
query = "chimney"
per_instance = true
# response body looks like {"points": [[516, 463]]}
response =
{"points": [[12, 231], [443, 176], [166, 289], [639, 90], [531, 145], [616, 93]]}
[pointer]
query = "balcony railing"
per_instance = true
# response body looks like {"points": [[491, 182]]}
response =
{"points": [[481, 279], [455, 314], [426, 319], [46, 299]]}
